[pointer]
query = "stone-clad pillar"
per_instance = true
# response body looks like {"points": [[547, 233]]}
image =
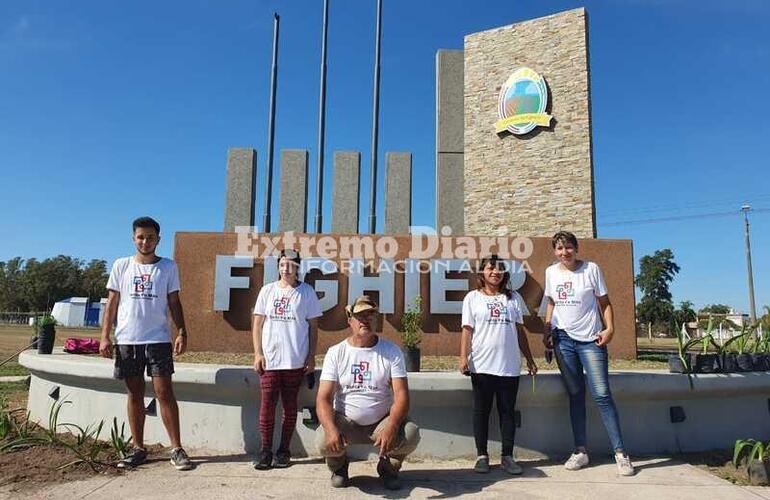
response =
{"points": [[347, 184], [293, 196], [449, 140], [539, 182], [398, 193], [240, 196]]}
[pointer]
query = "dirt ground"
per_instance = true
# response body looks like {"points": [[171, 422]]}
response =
{"points": [[719, 463]]}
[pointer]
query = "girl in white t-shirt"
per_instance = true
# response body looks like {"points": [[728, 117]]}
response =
{"points": [[580, 324], [285, 334], [490, 352]]}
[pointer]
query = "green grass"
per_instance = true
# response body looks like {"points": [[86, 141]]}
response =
{"points": [[15, 337], [14, 392]]}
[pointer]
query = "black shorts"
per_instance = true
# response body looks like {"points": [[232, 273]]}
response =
{"points": [[131, 360]]}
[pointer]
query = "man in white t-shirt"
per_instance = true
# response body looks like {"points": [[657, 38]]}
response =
{"points": [[363, 398], [142, 289]]}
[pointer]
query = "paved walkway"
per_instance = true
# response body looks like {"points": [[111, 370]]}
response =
{"points": [[233, 477], [14, 378]]}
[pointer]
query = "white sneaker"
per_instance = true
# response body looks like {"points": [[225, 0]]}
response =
{"points": [[576, 461], [625, 467]]}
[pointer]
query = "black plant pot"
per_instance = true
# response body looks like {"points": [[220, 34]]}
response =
{"points": [[728, 362], [744, 361], [704, 363], [759, 472], [412, 358], [675, 365], [45, 338], [761, 362]]}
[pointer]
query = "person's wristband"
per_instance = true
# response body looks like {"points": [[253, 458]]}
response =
{"points": [[182, 333]]}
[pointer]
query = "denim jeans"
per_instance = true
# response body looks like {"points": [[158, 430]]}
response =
{"points": [[573, 357]]}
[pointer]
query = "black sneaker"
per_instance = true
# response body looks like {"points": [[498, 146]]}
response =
{"points": [[482, 465], [134, 458], [388, 473], [180, 460], [340, 477], [282, 459], [264, 461]]}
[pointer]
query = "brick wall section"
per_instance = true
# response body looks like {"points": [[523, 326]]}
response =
{"points": [[541, 182]]}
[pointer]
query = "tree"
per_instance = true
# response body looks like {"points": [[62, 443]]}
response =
{"points": [[715, 309], [11, 282], [656, 272], [685, 313], [49, 281], [95, 280]]}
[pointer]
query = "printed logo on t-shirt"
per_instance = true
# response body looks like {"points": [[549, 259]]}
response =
{"points": [[497, 312], [565, 294], [143, 287], [142, 283], [282, 309], [361, 372], [565, 290]]}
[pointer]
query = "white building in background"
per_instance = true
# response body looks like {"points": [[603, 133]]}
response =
{"points": [[71, 312], [77, 312]]}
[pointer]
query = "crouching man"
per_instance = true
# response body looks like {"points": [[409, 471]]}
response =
{"points": [[363, 397]]}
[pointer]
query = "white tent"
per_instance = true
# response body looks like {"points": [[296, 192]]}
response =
{"points": [[71, 312]]}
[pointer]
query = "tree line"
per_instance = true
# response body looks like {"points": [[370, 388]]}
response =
{"points": [[36, 285], [656, 308]]}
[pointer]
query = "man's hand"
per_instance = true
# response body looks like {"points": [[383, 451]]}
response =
{"points": [[335, 442], [310, 365], [463, 365], [180, 345], [105, 347], [386, 439], [259, 364], [531, 366], [605, 336]]}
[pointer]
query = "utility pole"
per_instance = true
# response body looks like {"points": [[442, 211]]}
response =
{"points": [[271, 127], [375, 123], [321, 125], [752, 308]]}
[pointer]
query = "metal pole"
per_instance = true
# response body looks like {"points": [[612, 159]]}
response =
{"points": [[375, 123], [321, 126], [752, 308], [271, 127]]}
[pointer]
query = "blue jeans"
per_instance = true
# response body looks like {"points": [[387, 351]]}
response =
{"points": [[573, 357]]}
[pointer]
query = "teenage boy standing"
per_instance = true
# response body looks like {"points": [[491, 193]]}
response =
{"points": [[142, 289]]}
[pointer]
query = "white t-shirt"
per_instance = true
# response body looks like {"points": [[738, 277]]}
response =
{"points": [[285, 333], [143, 307], [495, 340], [363, 376], [574, 294]]}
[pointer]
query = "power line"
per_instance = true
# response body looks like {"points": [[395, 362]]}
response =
{"points": [[710, 203], [681, 217]]}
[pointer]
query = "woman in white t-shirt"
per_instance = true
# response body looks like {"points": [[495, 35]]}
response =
{"points": [[490, 352], [580, 324], [285, 334]]}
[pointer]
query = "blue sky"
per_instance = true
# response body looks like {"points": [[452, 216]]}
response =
{"points": [[110, 110]]}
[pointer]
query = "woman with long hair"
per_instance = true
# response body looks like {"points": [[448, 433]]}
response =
{"points": [[493, 341], [579, 325], [285, 335]]}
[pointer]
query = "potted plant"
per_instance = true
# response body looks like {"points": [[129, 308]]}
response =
{"points": [[681, 362], [760, 357], [411, 321], [728, 359], [703, 362], [757, 460], [46, 333], [743, 358]]}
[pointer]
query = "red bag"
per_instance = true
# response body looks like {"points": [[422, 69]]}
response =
{"points": [[76, 345]]}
